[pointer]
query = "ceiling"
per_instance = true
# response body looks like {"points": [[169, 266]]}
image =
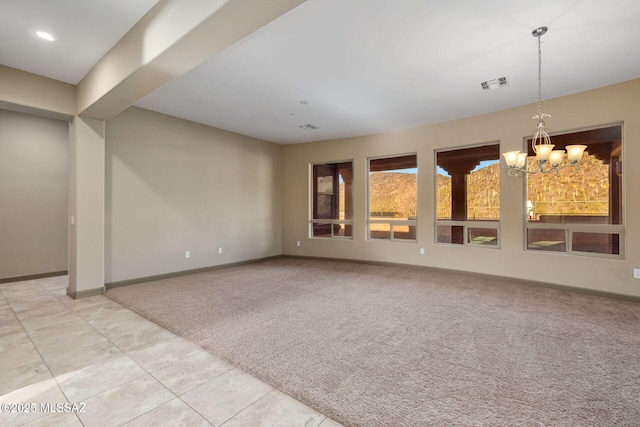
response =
{"points": [[84, 31], [351, 67]]}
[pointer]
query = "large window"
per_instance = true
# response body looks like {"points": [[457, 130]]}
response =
{"points": [[393, 196], [579, 210], [332, 206], [468, 196]]}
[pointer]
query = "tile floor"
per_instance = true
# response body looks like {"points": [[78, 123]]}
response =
{"points": [[112, 367]]}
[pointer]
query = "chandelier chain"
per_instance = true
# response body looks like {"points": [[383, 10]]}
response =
{"points": [[539, 76]]}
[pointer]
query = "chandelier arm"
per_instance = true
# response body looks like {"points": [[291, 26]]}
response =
{"points": [[516, 172], [513, 172]]}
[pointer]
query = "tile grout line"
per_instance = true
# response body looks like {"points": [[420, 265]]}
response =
{"points": [[55, 378], [150, 373], [228, 370], [127, 356], [193, 388], [112, 343], [248, 406], [41, 357]]}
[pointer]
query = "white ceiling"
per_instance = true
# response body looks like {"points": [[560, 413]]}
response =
{"points": [[363, 66], [84, 31]]}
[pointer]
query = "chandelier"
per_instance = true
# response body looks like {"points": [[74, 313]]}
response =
{"points": [[548, 159]]}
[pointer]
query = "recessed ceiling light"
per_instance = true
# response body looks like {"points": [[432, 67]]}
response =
{"points": [[45, 35]]}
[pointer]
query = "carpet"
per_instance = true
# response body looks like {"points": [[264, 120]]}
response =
{"points": [[389, 346]]}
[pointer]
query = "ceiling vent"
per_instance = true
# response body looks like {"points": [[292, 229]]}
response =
{"points": [[309, 126], [494, 83]]}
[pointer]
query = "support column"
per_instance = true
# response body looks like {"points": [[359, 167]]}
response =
{"points": [[347, 178], [86, 207], [458, 169], [458, 204]]}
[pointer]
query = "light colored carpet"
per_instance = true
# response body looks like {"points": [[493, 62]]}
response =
{"points": [[389, 346]]}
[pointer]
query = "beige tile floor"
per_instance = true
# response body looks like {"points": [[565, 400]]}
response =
{"points": [[112, 367]]}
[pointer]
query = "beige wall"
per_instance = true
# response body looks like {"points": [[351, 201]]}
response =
{"points": [[173, 186], [34, 187], [613, 104]]}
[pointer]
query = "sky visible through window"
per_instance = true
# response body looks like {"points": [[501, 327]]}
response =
{"points": [[407, 170], [483, 164]]}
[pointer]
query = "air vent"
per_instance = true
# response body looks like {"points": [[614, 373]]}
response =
{"points": [[309, 126], [494, 83]]}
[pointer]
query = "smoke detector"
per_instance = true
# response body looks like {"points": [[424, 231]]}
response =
{"points": [[494, 83]]}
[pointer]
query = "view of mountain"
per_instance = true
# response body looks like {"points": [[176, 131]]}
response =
{"points": [[393, 194], [573, 191]]}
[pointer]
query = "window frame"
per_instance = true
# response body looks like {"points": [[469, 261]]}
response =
{"points": [[570, 229], [390, 222], [494, 224], [312, 204], [576, 227]]}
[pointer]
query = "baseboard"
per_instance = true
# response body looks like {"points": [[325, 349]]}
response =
{"points": [[85, 293], [134, 281], [34, 276], [480, 275], [605, 294]]}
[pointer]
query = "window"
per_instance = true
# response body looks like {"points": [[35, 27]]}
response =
{"points": [[468, 196], [579, 211], [393, 192], [332, 210]]}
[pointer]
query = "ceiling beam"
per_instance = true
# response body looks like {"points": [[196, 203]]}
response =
{"points": [[32, 94], [174, 37]]}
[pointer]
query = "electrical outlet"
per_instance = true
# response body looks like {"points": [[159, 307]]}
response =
{"points": [[298, 243], [636, 273], [219, 250], [421, 251], [187, 254]]}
